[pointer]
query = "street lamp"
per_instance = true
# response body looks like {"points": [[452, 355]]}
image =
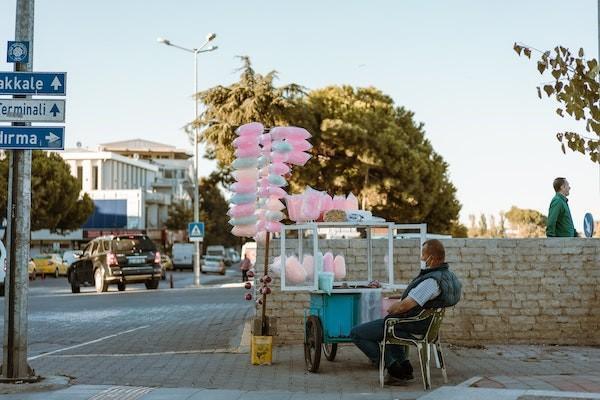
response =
{"points": [[195, 51]]}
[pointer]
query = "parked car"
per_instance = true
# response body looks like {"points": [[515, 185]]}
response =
{"points": [[216, 251], [166, 264], [213, 264], [183, 256], [231, 256], [116, 259], [70, 256], [50, 264]]}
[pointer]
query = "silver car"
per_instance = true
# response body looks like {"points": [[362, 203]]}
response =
{"points": [[213, 264]]}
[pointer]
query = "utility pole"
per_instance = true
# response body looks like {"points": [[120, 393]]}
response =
{"points": [[14, 357]]}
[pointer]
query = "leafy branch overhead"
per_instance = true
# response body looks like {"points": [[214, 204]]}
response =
{"points": [[576, 88]]}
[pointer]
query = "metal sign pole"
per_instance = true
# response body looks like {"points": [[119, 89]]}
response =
{"points": [[14, 365]]}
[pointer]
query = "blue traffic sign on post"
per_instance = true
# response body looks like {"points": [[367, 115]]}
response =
{"points": [[17, 52], [588, 225], [196, 231], [33, 83], [32, 137]]}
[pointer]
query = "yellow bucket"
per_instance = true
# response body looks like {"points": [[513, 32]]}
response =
{"points": [[261, 350]]}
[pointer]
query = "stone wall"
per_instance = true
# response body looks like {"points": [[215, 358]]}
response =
{"points": [[533, 291]]}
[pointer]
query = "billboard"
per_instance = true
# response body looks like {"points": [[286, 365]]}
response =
{"points": [[108, 214]]}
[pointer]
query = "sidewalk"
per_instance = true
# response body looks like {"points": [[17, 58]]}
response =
{"points": [[503, 372]]}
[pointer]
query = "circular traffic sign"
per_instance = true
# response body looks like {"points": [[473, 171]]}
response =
{"points": [[588, 225]]}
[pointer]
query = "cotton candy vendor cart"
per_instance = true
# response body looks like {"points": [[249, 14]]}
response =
{"points": [[336, 307]]}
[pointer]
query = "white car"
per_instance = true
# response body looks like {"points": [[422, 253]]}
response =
{"points": [[213, 264]]}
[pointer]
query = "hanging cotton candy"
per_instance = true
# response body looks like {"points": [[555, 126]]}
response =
{"points": [[273, 204], [297, 158], [244, 230], [274, 226], [244, 186], [264, 139], [328, 262], [260, 237], [245, 141], [244, 152], [264, 172], [262, 162], [272, 191], [308, 263], [289, 132], [339, 267], [246, 162], [261, 224], [294, 273], [250, 219], [351, 203], [274, 216], [280, 146], [279, 168], [250, 129], [245, 174], [279, 157], [303, 145], [242, 210], [277, 180], [243, 198]]}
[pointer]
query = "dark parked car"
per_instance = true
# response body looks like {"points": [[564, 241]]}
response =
{"points": [[116, 260]]}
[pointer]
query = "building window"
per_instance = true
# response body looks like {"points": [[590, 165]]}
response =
{"points": [[95, 177], [80, 176]]}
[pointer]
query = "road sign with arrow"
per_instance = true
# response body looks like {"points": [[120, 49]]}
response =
{"points": [[33, 83], [27, 110], [32, 137]]}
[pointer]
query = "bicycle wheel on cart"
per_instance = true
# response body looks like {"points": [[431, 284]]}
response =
{"points": [[313, 341], [330, 350]]}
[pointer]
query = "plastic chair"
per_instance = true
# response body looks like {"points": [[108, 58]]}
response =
{"points": [[430, 338]]}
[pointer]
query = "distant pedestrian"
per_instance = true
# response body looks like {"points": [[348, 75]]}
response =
{"points": [[245, 265], [560, 223]]}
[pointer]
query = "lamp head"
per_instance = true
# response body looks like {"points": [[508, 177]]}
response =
{"points": [[210, 36], [163, 40]]}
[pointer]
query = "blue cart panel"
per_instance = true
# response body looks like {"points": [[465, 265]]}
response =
{"points": [[339, 313]]}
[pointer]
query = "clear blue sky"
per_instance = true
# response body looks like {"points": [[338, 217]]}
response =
{"points": [[451, 62]]}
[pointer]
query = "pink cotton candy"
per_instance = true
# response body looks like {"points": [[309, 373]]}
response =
{"points": [[294, 206], [275, 266], [242, 210], [260, 237], [245, 141], [297, 158], [274, 204], [308, 262], [311, 205], [244, 186], [244, 230], [251, 129], [261, 225], [294, 273], [244, 174], [279, 168], [326, 202], [266, 148], [351, 203], [303, 145], [276, 192], [274, 226], [338, 203], [247, 152], [339, 267], [289, 132], [265, 138], [328, 262], [264, 172], [279, 157], [274, 216]]}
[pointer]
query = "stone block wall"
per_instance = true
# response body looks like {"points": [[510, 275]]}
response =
{"points": [[528, 291]]}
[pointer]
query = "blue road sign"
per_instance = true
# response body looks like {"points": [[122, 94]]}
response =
{"points": [[32, 137], [17, 52], [34, 83], [196, 231], [588, 225]]}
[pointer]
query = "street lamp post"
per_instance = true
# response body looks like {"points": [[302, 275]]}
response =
{"points": [[195, 51]]}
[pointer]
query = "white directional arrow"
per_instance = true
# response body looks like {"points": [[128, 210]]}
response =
{"points": [[56, 83], [51, 137]]}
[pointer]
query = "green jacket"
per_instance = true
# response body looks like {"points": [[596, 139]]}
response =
{"points": [[560, 223]]}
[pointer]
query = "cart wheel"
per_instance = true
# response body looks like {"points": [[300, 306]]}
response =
{"points": [[312, 343], [330, 350]]}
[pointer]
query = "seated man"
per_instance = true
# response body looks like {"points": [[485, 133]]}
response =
{"points": [[435, 286]]}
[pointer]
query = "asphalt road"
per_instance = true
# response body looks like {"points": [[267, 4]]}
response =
{"points": [[130, 333]]}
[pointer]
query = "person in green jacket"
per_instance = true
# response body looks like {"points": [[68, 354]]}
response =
{"points": [[560, 223]]}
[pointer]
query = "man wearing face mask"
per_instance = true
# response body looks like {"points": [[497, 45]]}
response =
{"points": [[435, 286]]}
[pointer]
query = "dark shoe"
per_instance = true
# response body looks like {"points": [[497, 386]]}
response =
{"points": [[400, 369], [404, 380]]}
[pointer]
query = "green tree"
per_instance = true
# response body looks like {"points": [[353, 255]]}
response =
{"points": [[179, 216], [576, 88], [56, 203], [527, 222], [213, 211]]}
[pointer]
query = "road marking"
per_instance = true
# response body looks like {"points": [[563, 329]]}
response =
{"points": [[160, 353], [86, 343], [122, 393]]}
